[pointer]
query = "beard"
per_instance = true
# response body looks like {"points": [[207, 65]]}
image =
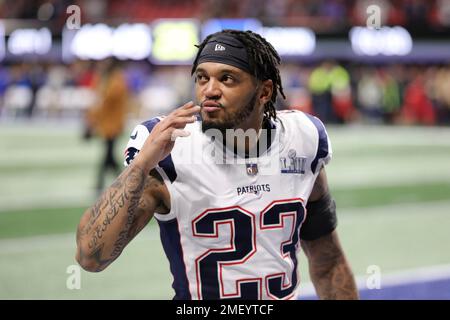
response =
{"points": [[230, 121]]}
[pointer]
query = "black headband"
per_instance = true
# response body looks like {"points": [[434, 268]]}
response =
{"points": [[226, 49]]}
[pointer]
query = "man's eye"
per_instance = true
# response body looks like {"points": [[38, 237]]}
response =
{"points": [[227, 78], [200, 77]]}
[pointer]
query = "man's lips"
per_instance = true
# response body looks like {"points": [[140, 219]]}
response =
{"points": [[210, 106]]}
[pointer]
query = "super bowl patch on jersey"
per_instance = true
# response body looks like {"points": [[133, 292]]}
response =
{"points": [[292, 163]]}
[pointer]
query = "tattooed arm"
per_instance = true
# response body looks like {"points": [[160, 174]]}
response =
{"points": [[129, 203], [328, 267], [117, 217]]}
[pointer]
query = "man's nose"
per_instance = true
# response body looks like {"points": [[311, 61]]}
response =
{"points": [[212, 89]]}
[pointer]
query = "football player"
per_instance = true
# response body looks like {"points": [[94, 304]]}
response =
{"points": [[232, 212]]}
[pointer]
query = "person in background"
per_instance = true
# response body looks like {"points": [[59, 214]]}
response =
{"points": [[107, 118], [417, 106]]}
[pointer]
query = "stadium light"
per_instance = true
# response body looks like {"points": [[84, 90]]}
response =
{"points": [[99, 41], [291, 41], [132, 41], [387, 41], [174, 41], [30, 41], [92, 42]]}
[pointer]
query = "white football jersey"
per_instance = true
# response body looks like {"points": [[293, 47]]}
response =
{"points": [[234, 224]]}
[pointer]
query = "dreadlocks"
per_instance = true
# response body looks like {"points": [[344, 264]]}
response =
{"points": [[264, 61]]}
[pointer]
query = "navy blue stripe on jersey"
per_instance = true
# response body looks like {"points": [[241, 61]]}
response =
{"points": [[166, 164], [170, 238], [322, 149]]}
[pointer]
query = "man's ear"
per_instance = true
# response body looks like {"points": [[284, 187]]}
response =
{"points": [[266, 91]]}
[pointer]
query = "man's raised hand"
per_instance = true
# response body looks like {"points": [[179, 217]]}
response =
{"points": [[161, 140]]}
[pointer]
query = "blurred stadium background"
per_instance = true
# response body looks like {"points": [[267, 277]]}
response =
{"points": [[384, 94]]}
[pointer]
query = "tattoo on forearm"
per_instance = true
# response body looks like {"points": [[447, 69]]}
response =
{"points": [[130, 193], [133, 226], [124, 235], [100, 206], [125, 191]]}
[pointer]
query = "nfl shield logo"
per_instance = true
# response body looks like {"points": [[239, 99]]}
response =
{"points": [[252, 169]]}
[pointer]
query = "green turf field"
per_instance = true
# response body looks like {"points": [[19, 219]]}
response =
{"points": [[392, 187]]}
